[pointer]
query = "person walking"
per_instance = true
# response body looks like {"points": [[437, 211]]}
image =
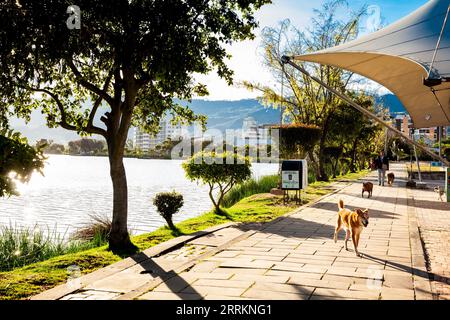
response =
{"points": [[382, 165]]}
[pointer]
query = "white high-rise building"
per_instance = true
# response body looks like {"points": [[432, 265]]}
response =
{"points": [[146, 141]]}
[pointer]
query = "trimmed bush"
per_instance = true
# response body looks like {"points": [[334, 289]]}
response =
{"points": [[297, 139], [167, 204], [220, 171]]}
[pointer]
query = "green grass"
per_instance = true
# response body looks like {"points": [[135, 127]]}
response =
{"points": [[32, 279], [24, 246], [250, 187]]}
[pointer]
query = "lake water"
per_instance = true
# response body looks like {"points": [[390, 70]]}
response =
{"points": [[74, 187]]}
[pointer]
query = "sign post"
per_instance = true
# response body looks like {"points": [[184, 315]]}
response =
{"points": [[447, 183], [294, 176]]}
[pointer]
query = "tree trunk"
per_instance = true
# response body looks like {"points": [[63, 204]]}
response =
{"points": [[322, 173], [119, 239], [353, 162], [211, 196], [170, 223]]}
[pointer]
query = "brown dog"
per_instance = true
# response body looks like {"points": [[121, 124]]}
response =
{"points": [[353, 222], [367, 187], [391, 178]]}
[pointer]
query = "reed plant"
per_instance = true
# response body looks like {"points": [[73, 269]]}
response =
{"points": [[250, 187]]}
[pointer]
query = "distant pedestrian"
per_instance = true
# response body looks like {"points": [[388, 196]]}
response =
{"points": [[382, 165]]}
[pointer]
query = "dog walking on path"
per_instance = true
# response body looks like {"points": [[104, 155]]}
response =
{"points": [[353, 223]]}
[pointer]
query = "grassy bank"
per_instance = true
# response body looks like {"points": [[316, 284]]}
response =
{"points": [[23, 282]]}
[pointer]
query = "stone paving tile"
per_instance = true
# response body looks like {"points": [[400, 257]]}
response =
{"points": [[271, 295], [261, 278], [224, 283], [204, 290], [396, 294], [290, 274], [176, 284], [317, 283], [170, 296], [207, 275], [285, 288], [239, 271], [346, 293], [434, 225]]}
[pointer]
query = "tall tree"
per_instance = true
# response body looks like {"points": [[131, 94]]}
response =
{"points": [[304, 101], [131, 57]]}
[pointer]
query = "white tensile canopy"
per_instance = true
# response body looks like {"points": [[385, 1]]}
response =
{"points": [[399, 58]]}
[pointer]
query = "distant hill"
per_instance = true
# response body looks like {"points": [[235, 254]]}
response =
{"points": [[221, 115], [224, 115], [392, 102]]}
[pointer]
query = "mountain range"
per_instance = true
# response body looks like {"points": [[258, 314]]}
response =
{"points": [[221, 115]]}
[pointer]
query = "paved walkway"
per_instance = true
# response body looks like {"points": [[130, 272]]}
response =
{"points": [[434, 225], [293, 257]]}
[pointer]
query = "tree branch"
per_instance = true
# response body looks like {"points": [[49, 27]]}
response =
{"points": [[101, 93], [90, 126], [63, 123]]}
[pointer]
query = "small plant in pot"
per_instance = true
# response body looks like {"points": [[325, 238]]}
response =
{"points": [[167, 204]]}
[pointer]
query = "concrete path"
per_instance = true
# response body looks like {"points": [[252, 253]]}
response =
{"points": [[293, 257], [433, 217]]}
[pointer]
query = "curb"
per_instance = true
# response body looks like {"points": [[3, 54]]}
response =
{"points": [[152, 252]]}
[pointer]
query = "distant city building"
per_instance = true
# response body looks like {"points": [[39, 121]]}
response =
{"points": [[146, 141], [253, 133], [402, 121]]}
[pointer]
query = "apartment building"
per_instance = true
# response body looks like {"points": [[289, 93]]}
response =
{"points": [[146, 141]]}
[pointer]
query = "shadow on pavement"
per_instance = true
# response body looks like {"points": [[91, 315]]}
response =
{"points": [[375, 213], [153, 268]]}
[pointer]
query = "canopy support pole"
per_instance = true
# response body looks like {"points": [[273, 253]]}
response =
{"points": [[288, 60]]}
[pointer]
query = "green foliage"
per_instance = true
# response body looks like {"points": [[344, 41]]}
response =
{"points": [[296, 140], [447, 153], [167, 204], [131, 61], [220, 171], [304, 101], [86, 146], [23, 246], [49, 147], [96, 231], [248, 188], [18, 161]]}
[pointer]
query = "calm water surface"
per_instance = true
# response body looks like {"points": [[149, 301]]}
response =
{"points": [[74, 187]]}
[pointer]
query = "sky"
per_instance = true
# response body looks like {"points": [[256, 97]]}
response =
{"points": [[246, 56]]}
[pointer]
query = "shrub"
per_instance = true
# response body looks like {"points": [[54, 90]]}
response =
{"points": [[167, 204], [297, 139], [219, 174]]}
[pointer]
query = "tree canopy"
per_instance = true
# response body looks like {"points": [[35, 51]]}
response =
{"points": [[304, 101], [124, 65], [220, 171]]}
